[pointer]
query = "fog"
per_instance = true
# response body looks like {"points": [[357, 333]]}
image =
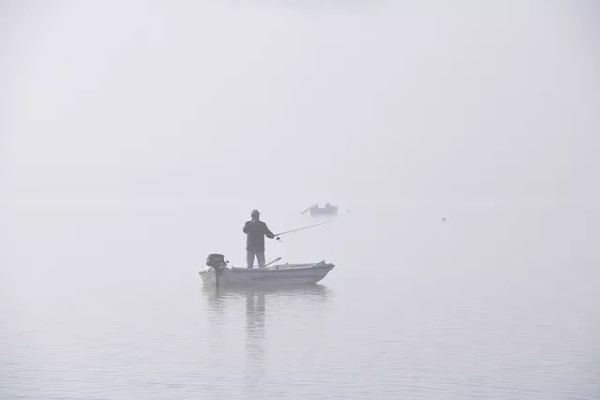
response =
{"points": [[116, 112], [170, 102], [146, 131]]}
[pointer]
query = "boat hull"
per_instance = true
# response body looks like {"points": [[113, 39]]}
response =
{"points": [[278, 275], [323, 211]]}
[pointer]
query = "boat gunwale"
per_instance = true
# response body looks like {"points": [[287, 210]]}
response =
{"points": [[244, 270], [267, 269]]}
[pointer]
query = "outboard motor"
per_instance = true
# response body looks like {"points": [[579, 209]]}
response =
{"points": [[216, 261]]}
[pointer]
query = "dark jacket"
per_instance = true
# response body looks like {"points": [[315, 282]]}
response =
{"points": [[255, 233]]}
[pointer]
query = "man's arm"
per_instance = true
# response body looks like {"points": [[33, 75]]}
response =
{"points": [[246, 227], [268, 233]]}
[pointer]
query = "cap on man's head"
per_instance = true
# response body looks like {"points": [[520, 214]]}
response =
{"points": [[254, 212]]}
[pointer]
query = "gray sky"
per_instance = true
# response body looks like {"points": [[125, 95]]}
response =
{"points": [[138, 101]]}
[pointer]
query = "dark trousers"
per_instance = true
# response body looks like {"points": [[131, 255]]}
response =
{"points": [[260, 256]]}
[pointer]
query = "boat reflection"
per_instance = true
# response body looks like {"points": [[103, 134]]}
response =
{"points": [[230, 301], [311, 290]]}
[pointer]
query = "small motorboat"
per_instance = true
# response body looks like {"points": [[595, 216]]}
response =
{"points": [[328, 209], [219, 274]]}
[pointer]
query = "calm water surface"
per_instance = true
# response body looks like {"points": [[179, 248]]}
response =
{"points": [[496, 302]]}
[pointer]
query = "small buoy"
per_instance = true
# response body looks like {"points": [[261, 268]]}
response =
{"points": [[444, 219]]}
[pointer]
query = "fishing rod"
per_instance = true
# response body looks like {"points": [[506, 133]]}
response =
{"points": [[299, 229]]}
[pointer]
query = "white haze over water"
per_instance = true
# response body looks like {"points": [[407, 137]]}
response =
{"points": [[137, 136], [154, 101]]}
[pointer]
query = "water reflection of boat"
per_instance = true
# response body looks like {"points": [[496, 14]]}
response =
{"points": [[256, 363], [235, 293], [228, 302]]}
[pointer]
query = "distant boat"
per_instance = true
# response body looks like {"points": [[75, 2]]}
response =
{"points": [[328, 209], [219, 274]]}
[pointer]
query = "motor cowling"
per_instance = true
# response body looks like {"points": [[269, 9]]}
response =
{"points": [[216, 260]]}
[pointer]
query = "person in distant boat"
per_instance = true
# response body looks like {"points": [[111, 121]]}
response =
{"points": [[327, 205], [255, 231]]}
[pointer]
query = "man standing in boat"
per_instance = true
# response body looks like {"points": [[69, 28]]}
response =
{"points": [[255, 231]]}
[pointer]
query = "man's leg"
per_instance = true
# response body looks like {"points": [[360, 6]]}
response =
{"points": [[250, 258], [261, 259]]}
